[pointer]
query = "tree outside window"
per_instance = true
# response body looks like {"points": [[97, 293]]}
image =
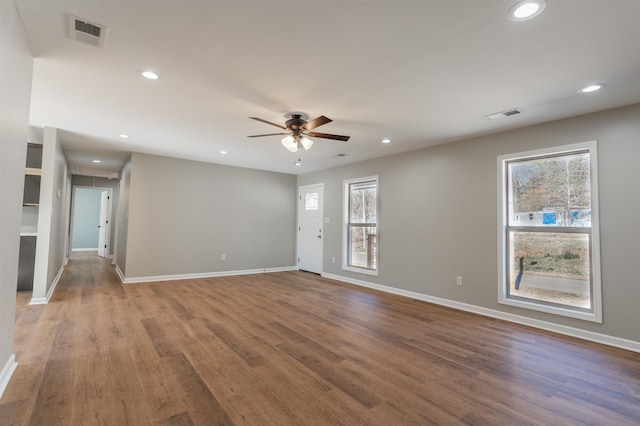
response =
{"points": [[361, 199], [548, 248]]}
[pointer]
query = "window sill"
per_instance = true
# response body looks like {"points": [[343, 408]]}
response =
{"points": [[360, 270], [556, 310]]}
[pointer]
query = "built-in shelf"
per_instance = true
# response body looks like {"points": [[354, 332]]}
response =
{"points": [[28, 228], [31, 195], [34, 155]]}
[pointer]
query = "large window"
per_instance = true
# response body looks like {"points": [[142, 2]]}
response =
{"points": [[360, 235], [549, 245]]}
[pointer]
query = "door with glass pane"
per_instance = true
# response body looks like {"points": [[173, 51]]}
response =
{"points": [[310, 221]]}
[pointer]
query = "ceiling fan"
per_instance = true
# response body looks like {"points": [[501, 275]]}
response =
{"points": [[298, 131]]}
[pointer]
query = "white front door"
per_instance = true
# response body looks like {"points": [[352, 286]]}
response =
{"points": [[310, 220], [103, 224]]}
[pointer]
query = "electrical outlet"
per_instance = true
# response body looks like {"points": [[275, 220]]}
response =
{"points": [[333, 259], [223, 257], [459, 281]]}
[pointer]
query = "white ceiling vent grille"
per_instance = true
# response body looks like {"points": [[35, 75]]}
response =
{"points": [[85, 31], [503, 114]]}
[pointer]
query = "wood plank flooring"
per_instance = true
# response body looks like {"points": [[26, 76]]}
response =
{"points": [[293, 348]]}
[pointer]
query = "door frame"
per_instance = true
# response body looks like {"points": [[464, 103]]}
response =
{"points": [[73, 211], [105, 214], [298, 221]]}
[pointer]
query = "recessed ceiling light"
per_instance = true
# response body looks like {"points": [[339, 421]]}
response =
{"points": [[150, 75], [96, 161], [123, 136], [526, 9], [223, 152], [592, 88], [386, 140]]}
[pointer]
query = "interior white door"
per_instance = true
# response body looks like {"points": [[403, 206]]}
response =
{"points": [[310, 221], [103, 224]]}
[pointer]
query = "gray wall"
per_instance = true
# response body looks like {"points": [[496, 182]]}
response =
{"points": [[100, 182], [184, 215], [86, 218], [16, 69], [55, 187], [438, 215], [122, 220]]}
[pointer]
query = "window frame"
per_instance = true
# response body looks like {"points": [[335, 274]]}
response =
{"points": [[346, 248], [595, 313]]}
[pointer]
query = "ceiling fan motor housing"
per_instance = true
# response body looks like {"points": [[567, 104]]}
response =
{"points": [[295, 123]]}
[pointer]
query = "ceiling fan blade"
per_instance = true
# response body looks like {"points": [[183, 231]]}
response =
{"points": [[316, 122], [268, 122], [268, 134], [328, 136]]}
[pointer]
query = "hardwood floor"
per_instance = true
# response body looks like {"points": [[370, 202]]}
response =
{"points": [[293, 348]]}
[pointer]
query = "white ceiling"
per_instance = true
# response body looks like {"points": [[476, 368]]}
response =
{"points": [[421, 72]]}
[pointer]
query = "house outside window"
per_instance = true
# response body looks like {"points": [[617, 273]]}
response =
{"points": [[360, 232], [549, 250]]}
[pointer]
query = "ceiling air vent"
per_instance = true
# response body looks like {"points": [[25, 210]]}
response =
{"points": [[503, 114], [85, 31]]}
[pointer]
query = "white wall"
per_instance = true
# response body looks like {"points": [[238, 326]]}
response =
{"points": [[16, 69], [52, 241], [426, 237], [86, 218], [183, 215]]}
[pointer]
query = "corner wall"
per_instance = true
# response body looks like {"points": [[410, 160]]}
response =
{"points": [[53, 215], [16, 70], [122, 219], [438, 216]]}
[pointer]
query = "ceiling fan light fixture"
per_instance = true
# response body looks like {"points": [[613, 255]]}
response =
{"points": [[306, 142], [290, 143]]}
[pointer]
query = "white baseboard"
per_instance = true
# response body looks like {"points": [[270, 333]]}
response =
{"points": [[119, 272], [6, 373], [201, 275], [45, 300], [604, 339]]}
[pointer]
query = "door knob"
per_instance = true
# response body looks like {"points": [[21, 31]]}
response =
{"points": [[319, 236]]}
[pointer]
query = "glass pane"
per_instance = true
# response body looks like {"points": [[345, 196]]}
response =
{"points": [[362, 202], [363, 246], [550, 267], [551, 191], [311, 201]]}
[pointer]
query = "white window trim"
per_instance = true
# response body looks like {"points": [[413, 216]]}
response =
{"points": [[345, 226], [596, 315]]}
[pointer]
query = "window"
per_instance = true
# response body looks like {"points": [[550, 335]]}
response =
{"points": [[360, 234], [548, 234], [311, 201]]}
